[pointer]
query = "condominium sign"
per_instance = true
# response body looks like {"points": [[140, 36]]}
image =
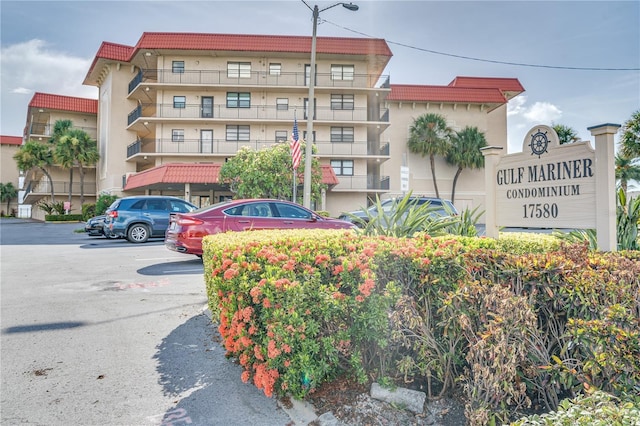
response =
{"points": [[547, 185]]}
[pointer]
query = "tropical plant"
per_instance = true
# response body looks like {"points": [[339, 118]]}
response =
{"points": [[565, 134], [76, 147], [63, 155], [103, 203], [429, 136], [267, 173], [579, 236], [7, 193], [630, 139], [36, 155], [626, 169], [628, 219], [404, 218], [465, 153], [465, 224]]}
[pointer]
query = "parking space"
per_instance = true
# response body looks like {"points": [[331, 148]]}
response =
{"points": [[100, 331]]}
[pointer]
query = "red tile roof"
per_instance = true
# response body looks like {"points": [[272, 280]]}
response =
{"points": [[417, 93], [195, 173], [263, 43], [10, 140], [504, 84], [64, 103]]}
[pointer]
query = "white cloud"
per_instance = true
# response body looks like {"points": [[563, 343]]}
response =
{"points": [[516, 105], [543, 112], [32, 66], [22, 91]]}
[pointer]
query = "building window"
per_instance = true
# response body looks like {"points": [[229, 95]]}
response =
{"points": [[342, 167], [304, 135], [239, 69], [237, 133], [342, 102], [282, 104], [342, 134], [275, 69], [177, 135], [281, 136], [177, 67], [238, 100], [342, 72], [179, 101]]}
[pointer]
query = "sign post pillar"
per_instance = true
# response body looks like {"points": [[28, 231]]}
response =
{"points": [[492, 156], [605, 185]]}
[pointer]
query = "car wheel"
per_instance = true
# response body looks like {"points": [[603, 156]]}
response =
{"points": [[138, 233]]}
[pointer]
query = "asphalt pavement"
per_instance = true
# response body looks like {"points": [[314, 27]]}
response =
{"points": [[105, 332]]}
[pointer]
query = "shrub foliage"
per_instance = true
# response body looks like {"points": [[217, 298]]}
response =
{"points": [[517, 323]]}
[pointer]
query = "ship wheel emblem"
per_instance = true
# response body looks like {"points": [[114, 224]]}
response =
{"points": [[539, 143]]}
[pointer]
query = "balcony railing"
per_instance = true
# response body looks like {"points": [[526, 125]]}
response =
{"points": [[259, 112], [59, 188], [47, 129], [362, 182], [224, 147], [255, 78]]}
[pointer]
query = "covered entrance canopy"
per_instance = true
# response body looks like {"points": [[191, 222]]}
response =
{"points": [[200, 177]]}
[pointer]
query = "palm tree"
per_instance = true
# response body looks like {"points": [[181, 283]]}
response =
{"points": [[630, 138], [78, 145], [429, 135], [627, 169], [465, 152], [7, 193], [36, 155], [565, 133], [62, 154]]}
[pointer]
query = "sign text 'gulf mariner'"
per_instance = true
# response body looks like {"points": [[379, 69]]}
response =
{"points": [[548, 185]]}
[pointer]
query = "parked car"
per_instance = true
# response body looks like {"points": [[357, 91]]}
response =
{"points": [[186, 230], [440, 208], [139, 218], [94, 227]]}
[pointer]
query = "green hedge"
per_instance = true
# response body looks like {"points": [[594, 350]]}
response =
{"points": [[513, 323], [63, 218]]}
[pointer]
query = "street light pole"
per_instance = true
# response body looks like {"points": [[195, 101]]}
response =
{"points": [[311, 104]]}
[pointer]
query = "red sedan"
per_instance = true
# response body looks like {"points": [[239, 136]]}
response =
{"points": [[186, 230]]}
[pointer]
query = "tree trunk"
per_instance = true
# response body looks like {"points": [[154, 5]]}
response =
{"points": [[433, 174], [46, 173], [455, 181], [70, 186], [81, 170]]}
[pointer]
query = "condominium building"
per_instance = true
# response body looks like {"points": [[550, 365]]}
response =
{"points": [[175, 106], [43, 111], [9, 173]]}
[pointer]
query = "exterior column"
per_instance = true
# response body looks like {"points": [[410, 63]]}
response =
{"points": [[492, 156], [605, 186], [187, 192]]}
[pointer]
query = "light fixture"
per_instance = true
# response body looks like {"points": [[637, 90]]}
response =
{"points": [[147, 54], [40, 110], [310, 104], [146, 89], [145, 123]]}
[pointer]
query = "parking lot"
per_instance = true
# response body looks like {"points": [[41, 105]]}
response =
{"points": [[105, 332]]}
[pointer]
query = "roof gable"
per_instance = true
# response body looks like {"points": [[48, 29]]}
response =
{"points": [[262, 43], [64, 103], [10, 140], [420, 93]]}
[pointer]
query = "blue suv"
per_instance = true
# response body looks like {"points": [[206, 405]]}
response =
{"points": [[139, 218]]}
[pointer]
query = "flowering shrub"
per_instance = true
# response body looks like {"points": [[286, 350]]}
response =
{"points": [[522, 320]]}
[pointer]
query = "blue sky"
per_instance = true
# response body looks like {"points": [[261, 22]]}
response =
{"points": [[47, 46]]}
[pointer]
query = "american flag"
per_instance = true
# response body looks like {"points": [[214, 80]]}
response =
{"points": [[296, 155]]}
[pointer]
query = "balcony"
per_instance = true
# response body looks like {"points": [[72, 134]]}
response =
{"points": [[260, 112], [36, 190], [226, 148], [362, 183], [255, 78], [45, 129]]}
